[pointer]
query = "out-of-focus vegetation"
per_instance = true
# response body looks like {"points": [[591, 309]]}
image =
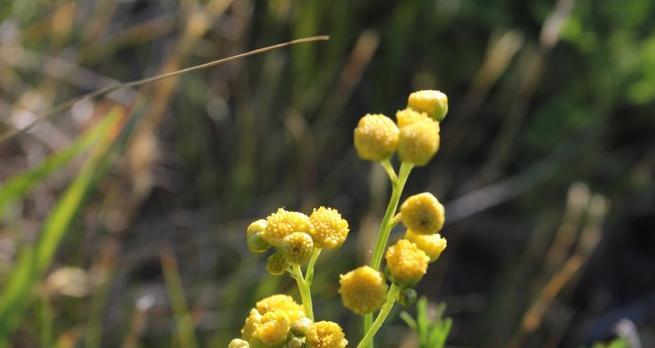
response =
{"points": [[122, 218]]}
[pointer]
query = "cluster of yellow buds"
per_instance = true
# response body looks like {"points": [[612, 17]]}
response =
{"points": [[278, 321], [295, 236]]}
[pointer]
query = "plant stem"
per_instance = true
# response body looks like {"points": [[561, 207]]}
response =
{"points": [[305, 293], [397, 187], [389, 169], [309, 273], [392, 295]]}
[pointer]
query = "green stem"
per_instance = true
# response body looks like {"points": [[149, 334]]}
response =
{"points": [[385, 227], [305, 293], [392, 295], [309, 274], [389, 169]]}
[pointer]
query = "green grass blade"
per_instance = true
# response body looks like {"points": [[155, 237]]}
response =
{"points": [[16, 187]]}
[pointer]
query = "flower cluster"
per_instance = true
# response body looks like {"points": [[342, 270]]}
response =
{"points": [[297, 239]]}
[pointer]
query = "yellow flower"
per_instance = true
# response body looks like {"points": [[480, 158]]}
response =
{"points": [[297, 247], [250, 326], [423, 214], [406, 263], [238, 343], [325, 334], [434, 103], [277, 264], [274, 328], [363, 290], [376, 137], [418, 141], [282, 303], [282, 223], [432, 244], [330, 229], [408, 116]]}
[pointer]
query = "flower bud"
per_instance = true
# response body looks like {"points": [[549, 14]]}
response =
{"points": [[432, 244], [363, 290], [434, 103], [423, 214], [300, 326], [325, 334], [408, 116], [297, 247], [281, 303], [238, 343], [295, 342], [274, 328], [418, 141], [250, 326], [376, 137], [256, 226], [330, 229], [277, 264], [282, 223], [256, 243], [406, 263]]}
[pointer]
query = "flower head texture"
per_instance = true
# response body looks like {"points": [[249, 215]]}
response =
{"points": [[277, 264], [408, 116], [406, 263], [363, 290], [432, 244], [434, 103], [418, 141], [297, 247], [330, 229], [325, 334], [238, 343], [376, 137], [282, 223], [250, 326], [274, 328], [282, 303], [256, 226], [423, 214]]}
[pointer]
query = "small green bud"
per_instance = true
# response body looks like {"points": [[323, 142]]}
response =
{"points": [[256, 243], [277, 264], [238, 343], [256, 226], [295, 343], [434, 103]]}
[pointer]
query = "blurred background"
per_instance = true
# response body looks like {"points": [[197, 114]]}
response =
{"points": [[123, 217]]}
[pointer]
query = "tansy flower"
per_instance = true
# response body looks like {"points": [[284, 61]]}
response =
{"points": [[274, 328], [282, 223], [423, 214], [406, 263], [277, 264], [434, 103], [283, 303], [250, 326], [418, 141], [330, 229], [376, 137], [363, 290], [297, 247], [408, 116], [238, 343], [325, 334], [432, 244]]}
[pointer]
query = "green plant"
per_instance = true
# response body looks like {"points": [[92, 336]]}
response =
{"points": [[298, 240], [432, 330]]}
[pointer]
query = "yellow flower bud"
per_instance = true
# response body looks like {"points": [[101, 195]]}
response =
{"points": [[238, 343], [282, 223], [250, 326], [432, 244], [423, 214], [330, 229], [418, 141], [274, 328], [376, 137], [256, 226], [434, 103], [297, 247], [406, 263], [301, 326], [363, 290], [277, 264], [281, 303], [325, 334], [256, 243], [408, 116]]}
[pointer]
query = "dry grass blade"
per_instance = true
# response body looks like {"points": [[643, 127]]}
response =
{"points": [[101, 92]]}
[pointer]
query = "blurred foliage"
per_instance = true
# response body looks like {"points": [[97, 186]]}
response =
{"points": [[543, 94]]}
